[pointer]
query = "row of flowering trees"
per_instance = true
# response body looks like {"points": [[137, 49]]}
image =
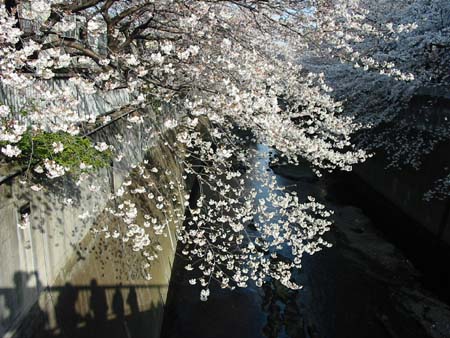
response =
{"points": [[266, 67], [377, 55]]}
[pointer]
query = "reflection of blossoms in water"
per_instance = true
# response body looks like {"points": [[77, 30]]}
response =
{"points": [[217, 240]]}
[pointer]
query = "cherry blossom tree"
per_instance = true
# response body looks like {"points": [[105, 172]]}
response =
{"points": [[377, 55], [233, 64]]}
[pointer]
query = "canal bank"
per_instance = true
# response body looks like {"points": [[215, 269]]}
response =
{"points": [[65, 274], [363, 286], [426, 251]]}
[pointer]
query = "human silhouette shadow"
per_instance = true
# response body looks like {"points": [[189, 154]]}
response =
{"points": [[134, 321], [66, 314], [98, 306], [132, 301], [20, 280], [20, 304], [23, 296], [117, 303]]}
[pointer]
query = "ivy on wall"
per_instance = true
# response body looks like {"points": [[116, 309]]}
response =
{"points": [[76, 154]]}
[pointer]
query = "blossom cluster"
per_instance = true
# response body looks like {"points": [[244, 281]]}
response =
{"points": [[231, 63], [388, 62]]}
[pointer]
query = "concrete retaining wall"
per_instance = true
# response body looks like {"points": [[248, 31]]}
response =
{"points": [[57, 278], [88, 105], [406, 187]]}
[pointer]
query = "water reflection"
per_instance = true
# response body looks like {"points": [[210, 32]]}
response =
{"points": [[269, 312], [340, 297], [283, 311]]}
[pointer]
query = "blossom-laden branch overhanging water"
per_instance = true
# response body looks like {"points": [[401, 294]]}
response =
{"points": [[234, 63]]}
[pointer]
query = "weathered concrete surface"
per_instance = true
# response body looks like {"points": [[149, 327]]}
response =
{"points": [[428, 111], [60, 280], [406, 188], [89, 105]]}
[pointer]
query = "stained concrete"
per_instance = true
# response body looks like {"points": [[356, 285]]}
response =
{"points": [[58, 279]]}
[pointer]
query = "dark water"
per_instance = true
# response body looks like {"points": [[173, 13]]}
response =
{"points": [[344, 293], [425, 250]]}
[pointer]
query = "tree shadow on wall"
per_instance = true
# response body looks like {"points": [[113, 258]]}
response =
{"points": [[86, 311]]}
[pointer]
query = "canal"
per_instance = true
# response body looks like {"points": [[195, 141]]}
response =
{"points": [[363, 286]]}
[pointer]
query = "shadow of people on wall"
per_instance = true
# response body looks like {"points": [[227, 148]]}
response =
{"points": [[66, 314], [134, 325], [76, 311], [38, 284], [132, 300], [118, 307], [20, 279], [117, 303], [24, 296], [98, 305]]}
